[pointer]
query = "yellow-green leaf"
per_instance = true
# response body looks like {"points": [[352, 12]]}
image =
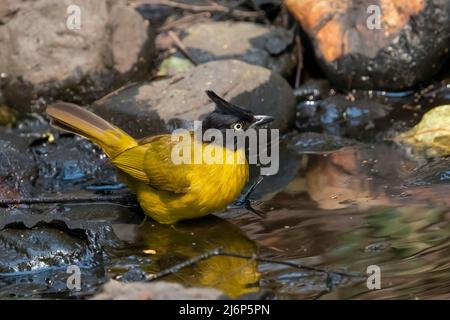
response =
{"points": [[432, 134], [173, 65], [8, 116]]}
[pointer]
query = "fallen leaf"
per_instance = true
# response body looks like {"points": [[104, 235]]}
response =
{"points": [[8, 116], [173, 65], [431, 134]]}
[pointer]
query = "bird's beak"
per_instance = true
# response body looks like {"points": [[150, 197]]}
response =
{"points": [[260, 120]]}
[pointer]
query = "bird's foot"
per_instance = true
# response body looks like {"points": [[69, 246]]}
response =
{"points": [[249, 207], [244, 203]]}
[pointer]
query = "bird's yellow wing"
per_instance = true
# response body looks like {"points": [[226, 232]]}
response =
{"points": [[151, 163], [131, 161], [162, 172]]}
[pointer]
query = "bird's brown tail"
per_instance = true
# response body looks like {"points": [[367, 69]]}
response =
{"points": [[72, 118]]}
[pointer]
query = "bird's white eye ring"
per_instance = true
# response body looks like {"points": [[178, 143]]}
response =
{"points": [[237, 126]]}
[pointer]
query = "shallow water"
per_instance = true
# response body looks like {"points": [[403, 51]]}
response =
{"points": [[340, 212]]}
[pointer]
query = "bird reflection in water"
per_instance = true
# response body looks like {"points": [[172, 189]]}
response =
{"points": [[169, 245]]}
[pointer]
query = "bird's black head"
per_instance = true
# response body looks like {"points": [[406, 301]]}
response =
{"points": [[229, 116]]}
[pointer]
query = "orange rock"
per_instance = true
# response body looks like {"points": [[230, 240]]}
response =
{"points": [[363, 43], [329, 21]]}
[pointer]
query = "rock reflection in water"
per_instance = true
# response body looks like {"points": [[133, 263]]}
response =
{"points": [[352, 208], [370, 176]]}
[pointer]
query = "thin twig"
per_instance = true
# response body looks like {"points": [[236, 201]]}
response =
{"points": [[197, 8], [230, 9], [47, 200], [185, 264], [298, 75], [181, 47], [189, 18], [220, 252], [284, 17], [293, 265], [261, 12]]}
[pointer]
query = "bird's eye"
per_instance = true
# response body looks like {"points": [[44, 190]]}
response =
{"points": [[237, 126]]}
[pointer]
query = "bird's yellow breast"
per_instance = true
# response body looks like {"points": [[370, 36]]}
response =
{"points": [[212, 187]]}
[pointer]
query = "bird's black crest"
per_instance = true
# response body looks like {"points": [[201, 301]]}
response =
{"points": [[225, 107]]}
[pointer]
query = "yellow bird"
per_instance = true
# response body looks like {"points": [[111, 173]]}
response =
{"points": [[166, 191]]}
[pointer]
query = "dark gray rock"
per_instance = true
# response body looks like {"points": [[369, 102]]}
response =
{"points": [[339, 114], [317, 143], [435, 171], [39, 243], [70, 163], [25, 250], [42, 58], [408, 47], [160, 106], [16, 166], [270, 47], [134, 274], [37, 161]]}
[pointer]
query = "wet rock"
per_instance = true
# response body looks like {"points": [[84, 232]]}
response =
{"points": [[436, 94], [70, 163], [339, 114], [270, 47], [317, 143], [387, 45], [40, 242], [134, 274], [313, 89], [435, 171], [160, 106], [26, 250], [57, 235], [37, 159], [95, 219], [41, 238], [16, 169], [161, 290], [42, 57]]}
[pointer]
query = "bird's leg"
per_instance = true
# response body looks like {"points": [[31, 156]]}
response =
{"points": [[244, 200], [144, 221], [246, 196]]}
